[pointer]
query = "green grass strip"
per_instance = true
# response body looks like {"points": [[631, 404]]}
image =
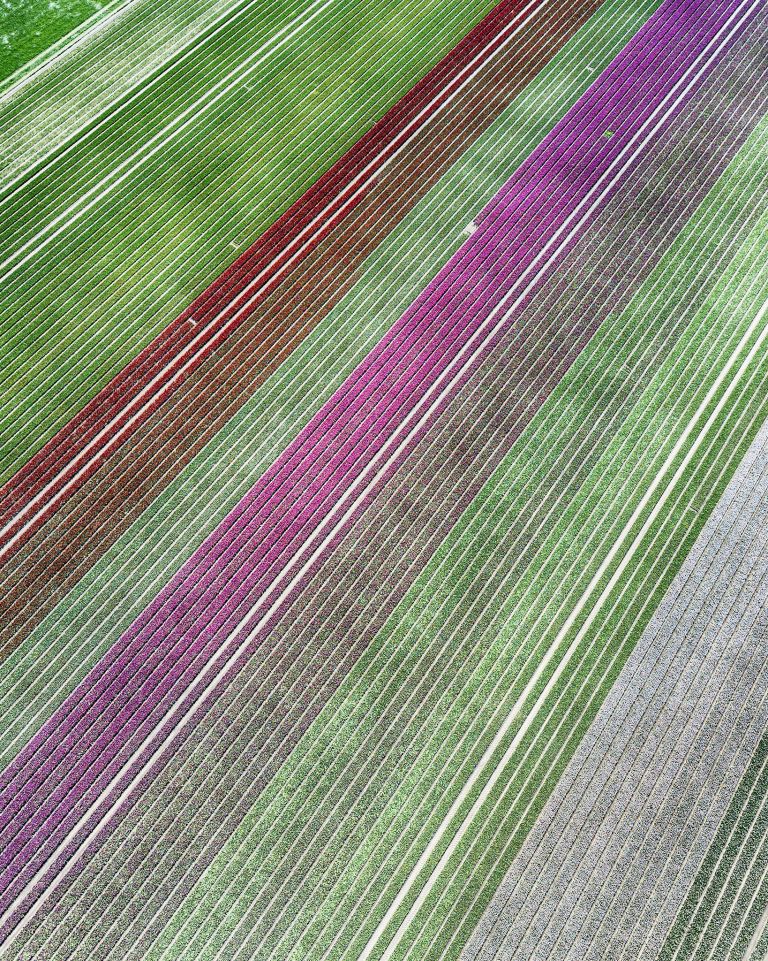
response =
{"points": [[29, 28], [114, 61]]}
